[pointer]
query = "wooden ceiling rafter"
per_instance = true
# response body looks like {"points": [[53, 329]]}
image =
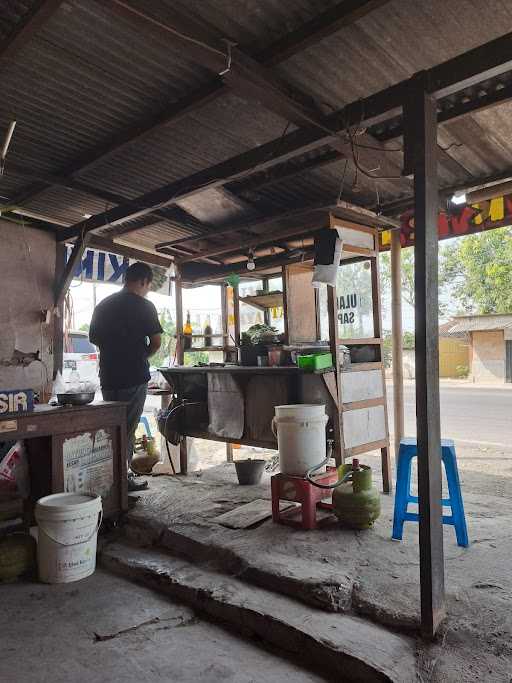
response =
{"points": [[258, 223], [181, 108], [443, 79], [316, 31]]}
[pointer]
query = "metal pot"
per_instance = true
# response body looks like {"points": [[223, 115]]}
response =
{"points": [[79, 399]]}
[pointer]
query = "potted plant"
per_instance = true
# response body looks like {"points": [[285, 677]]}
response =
{"points": [[254, 343]]}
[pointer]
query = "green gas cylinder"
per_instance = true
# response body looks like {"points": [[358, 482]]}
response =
{"points": [[356, 502], [17, 556]]}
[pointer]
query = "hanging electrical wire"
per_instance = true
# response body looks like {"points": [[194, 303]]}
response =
{"points": [[342, 183]]}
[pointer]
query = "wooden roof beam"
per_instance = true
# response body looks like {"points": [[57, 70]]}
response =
{"points": [[378, 107], [51, 179], [294, 214], [171, 114]]}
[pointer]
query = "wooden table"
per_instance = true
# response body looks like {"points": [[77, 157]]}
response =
{"points": [[235, 404], [74, 448]]}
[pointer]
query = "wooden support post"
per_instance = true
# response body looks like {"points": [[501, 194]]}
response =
{"points": [[332, 308], [236, 311], [58, 314], [183, 455], [75, 257], [397, 337], [284, 277], [377, 333], [224, 320], [180, 349], [266, 313], [421, 144]]}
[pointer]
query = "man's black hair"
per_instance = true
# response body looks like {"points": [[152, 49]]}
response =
{"points": [[138, 272]]}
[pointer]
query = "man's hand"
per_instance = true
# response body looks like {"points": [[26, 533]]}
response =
{"points": [[155, 342]]}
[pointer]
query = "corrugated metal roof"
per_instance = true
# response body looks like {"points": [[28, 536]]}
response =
{"points": [[479, 323], [12, 13], [88, 75]]}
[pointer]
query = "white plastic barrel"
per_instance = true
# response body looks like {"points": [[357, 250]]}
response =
{"points": [[68, 531], [300, 431]]}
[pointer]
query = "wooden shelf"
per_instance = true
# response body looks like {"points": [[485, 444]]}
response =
{"points": [[360, 367], [201, 336], [264, 301], [369, 341]]}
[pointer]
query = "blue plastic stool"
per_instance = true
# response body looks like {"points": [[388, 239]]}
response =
{"points": [[143, 420], [408, 451]]}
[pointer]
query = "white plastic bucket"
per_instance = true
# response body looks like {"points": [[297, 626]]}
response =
{"points": [[68, 531], [300, 431]]}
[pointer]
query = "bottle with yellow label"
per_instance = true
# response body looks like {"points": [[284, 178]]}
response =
{"points": [[187, 333]]}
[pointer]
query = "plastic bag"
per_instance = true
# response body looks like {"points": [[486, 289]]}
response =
{"points": [[59, 386], [74, 386], [14, 474]]}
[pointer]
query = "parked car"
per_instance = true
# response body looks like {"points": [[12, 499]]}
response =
{"points": [[80, 356]]}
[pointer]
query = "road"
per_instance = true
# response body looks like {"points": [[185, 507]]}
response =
{"points": [[469, 415]]}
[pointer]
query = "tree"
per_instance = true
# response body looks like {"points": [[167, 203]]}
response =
{"points": [[168, 347], [478, 270], [407, 277], [408, 342], [407, 273], [159, 278]]}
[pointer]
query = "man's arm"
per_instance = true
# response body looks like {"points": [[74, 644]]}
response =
{"points": [[153, 329], [155, 342], [93, 329]]}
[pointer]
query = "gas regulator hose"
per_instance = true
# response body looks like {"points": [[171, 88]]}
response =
{"points": [[312, 470]]}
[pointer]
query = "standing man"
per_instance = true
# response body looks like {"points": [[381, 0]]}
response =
{"points": [[126, 329]]}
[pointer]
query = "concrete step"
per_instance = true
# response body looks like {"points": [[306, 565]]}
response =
{"points": [[338, 645], [320, 587]]}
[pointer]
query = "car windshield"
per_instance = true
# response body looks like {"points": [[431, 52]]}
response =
{"points": [[81, 344]]}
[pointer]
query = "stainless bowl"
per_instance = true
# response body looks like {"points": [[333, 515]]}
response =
{"points": [[79, 399]]}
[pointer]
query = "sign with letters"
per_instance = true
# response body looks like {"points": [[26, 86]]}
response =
{"points": [[105, 268], [16, 401], [347, 306]]}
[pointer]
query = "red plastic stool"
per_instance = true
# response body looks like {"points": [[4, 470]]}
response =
{"points": [[300, 490]]}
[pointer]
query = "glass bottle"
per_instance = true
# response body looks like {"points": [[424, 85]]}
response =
{"points": [[187, 333], [208, 332]]}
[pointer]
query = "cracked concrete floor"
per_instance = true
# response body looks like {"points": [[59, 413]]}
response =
{"points": [[105, 629]]}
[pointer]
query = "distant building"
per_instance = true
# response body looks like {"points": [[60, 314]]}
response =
{"points": [[489, 338], [454, 352]]}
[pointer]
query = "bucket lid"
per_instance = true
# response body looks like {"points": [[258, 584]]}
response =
{"points": [[301, 410], [301, 407], [66, 502]]}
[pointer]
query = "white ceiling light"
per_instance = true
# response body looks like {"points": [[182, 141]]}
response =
{"points": [[87, 215], [250, 261], [459, 198]]}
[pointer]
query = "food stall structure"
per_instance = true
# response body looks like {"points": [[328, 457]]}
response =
{"points": [[235, 404]]}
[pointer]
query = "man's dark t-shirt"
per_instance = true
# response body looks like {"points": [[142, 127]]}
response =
{"points": [[120, 327]]}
